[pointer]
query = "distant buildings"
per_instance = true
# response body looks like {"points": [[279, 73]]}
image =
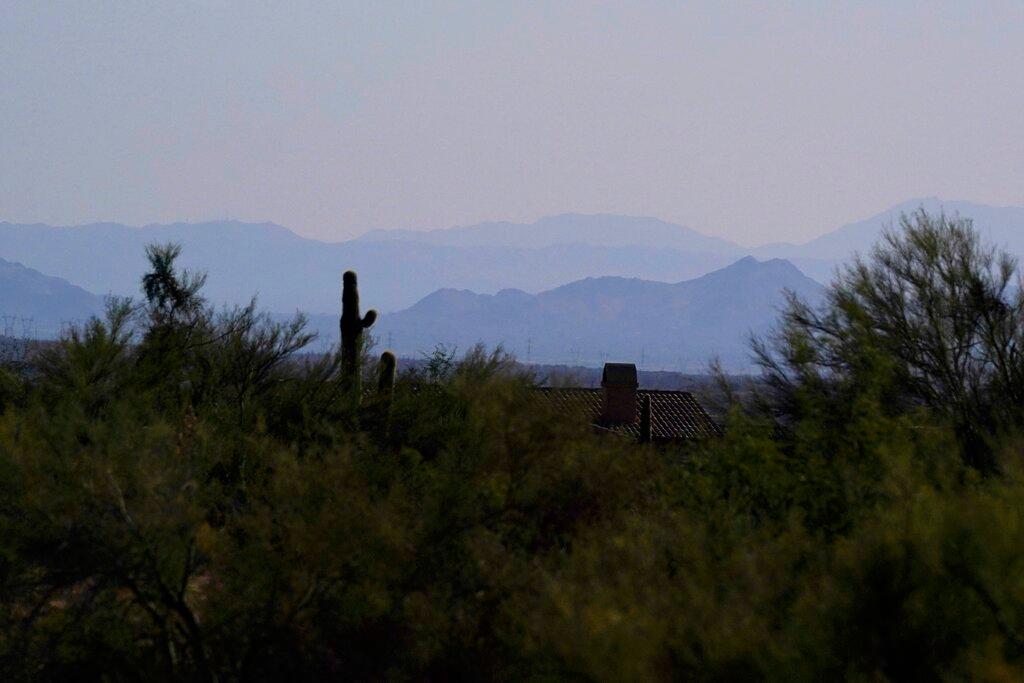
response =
{"points": [[620, 407]]}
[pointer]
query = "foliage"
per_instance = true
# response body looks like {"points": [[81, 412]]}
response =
{"points": [[185, 495], [933, 314]]}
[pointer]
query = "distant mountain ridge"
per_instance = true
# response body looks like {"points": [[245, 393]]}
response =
{"points": [[818, 258], [399, 268], [1002, 225], [659, 325], [290, 272], [607, 230], [36, 305]]}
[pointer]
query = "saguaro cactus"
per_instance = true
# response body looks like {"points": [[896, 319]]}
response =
{"points": [[352, 326], [386, 375]]}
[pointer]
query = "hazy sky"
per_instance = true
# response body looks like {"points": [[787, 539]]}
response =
{"points": [[754, 122]]}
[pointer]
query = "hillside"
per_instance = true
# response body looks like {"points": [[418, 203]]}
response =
{"points": [[659, 325], [1002, 226], [34, 304]]}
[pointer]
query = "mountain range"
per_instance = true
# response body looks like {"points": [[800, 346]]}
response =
{"points": [[1002, 226], [454, 285], [399, 267], [656, 324], [290, 272], [605, 230]]}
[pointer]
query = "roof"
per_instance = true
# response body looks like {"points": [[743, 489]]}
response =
{"points": [[675, 415]]}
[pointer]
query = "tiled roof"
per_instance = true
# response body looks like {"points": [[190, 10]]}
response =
{"points": [[675, 415]]}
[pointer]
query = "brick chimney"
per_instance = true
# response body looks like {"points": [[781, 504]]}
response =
{"points": [[619, 383]]}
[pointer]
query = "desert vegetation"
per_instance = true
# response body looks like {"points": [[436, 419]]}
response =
{"points": [[185, 494]]}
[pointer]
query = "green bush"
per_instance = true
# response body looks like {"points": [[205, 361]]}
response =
{"points": [[185, 495]]}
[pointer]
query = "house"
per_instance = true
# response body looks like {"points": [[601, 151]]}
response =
{"points": [[622, 408]]}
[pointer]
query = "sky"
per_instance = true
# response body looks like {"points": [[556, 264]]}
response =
{"points": [[755, 122]]}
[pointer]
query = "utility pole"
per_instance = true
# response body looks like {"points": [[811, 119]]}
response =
{"points": [[529, 348]]}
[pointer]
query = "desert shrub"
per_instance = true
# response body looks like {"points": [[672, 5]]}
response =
{"points": [[932, 316], [187, 494]]}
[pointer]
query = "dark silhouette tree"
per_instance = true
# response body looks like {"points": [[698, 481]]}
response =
{"points": [[942, 313]]}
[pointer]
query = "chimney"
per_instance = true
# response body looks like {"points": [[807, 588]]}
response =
{"points": [[619, 383]]}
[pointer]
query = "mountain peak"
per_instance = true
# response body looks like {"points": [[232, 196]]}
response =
{"points": [[589, 320], [1001, 225], [749, 263]]}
